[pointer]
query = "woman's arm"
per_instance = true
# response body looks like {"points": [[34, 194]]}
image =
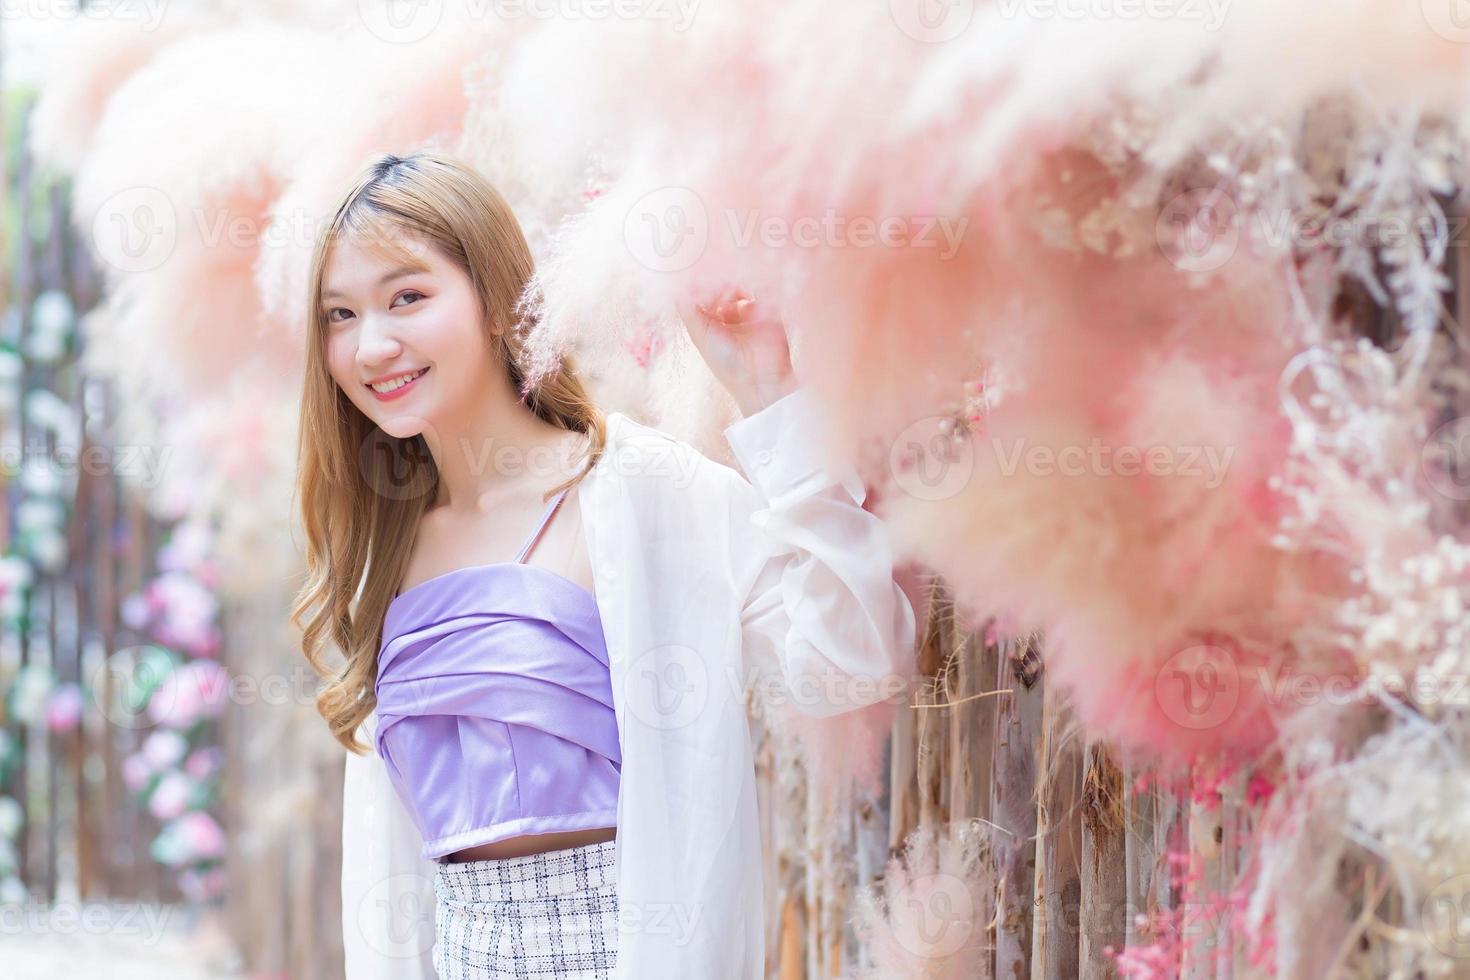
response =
{"points": [[387, 885], [815, 568]]}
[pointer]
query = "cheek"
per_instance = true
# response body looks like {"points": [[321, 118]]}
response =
{"points": [[452, 326], [452, 339], [340, 363]]}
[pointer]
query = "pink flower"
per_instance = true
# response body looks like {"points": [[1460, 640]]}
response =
{"points": [[203, 763], [194, 691], [188, 547], [135, 771], [64, 709], [135, 611], [164, 748], [170, 797], [186, 611], [199, 885], [1259, 790], [201, 835]]}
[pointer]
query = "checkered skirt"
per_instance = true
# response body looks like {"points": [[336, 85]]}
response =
{"points": [[553, 914]]}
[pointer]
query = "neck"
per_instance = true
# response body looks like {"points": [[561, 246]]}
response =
{"points": [[495, 447]]}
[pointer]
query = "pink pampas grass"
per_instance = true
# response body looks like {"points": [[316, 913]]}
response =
{"points": [[930, 915]]}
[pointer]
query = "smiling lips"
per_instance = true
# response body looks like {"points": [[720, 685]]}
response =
{"points": [[397, 387]]}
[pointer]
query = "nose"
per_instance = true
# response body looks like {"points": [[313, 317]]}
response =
{"points": [[376, 344]]}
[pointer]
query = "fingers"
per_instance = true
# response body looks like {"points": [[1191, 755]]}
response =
{"points": [[735, 311], [730, 308]]}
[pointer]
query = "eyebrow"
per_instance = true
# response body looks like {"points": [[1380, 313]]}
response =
{"points": [[387, 277]]}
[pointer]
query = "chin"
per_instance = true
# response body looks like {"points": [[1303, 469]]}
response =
{"points": [[404, 426]]}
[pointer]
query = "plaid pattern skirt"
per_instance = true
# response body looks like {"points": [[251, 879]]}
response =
{"points": [[547, 915]]}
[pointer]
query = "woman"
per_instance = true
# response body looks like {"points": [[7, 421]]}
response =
{"points": [[561, 782]]}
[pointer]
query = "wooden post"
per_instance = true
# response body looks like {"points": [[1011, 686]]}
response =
{"points": [[1104, 866], [1056, 941], [1013, 796]]}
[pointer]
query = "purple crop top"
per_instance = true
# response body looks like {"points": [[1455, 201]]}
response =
{"points": [[495, 713]]}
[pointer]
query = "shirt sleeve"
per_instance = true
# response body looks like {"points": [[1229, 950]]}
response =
{"points": [[387, 885], [814, 567]]}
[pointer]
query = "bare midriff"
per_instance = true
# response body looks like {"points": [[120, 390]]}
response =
{"points": [[532, 844]]}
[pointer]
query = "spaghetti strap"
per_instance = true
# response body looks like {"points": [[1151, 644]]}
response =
{"points": [[536, 534]]}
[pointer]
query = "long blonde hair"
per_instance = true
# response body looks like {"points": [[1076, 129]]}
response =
{"points": [[363, 491]]}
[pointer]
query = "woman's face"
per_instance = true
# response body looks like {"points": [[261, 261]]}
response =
{"points": [[390, 321]]}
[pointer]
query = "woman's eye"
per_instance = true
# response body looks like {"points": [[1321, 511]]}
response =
{"points": [[407, 292], [331, 318]]}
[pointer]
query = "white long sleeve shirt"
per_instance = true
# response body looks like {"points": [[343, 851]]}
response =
{"points": [[702, 576]]}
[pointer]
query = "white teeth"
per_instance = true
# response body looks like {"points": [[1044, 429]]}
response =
{"points": [[396, 383]]}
